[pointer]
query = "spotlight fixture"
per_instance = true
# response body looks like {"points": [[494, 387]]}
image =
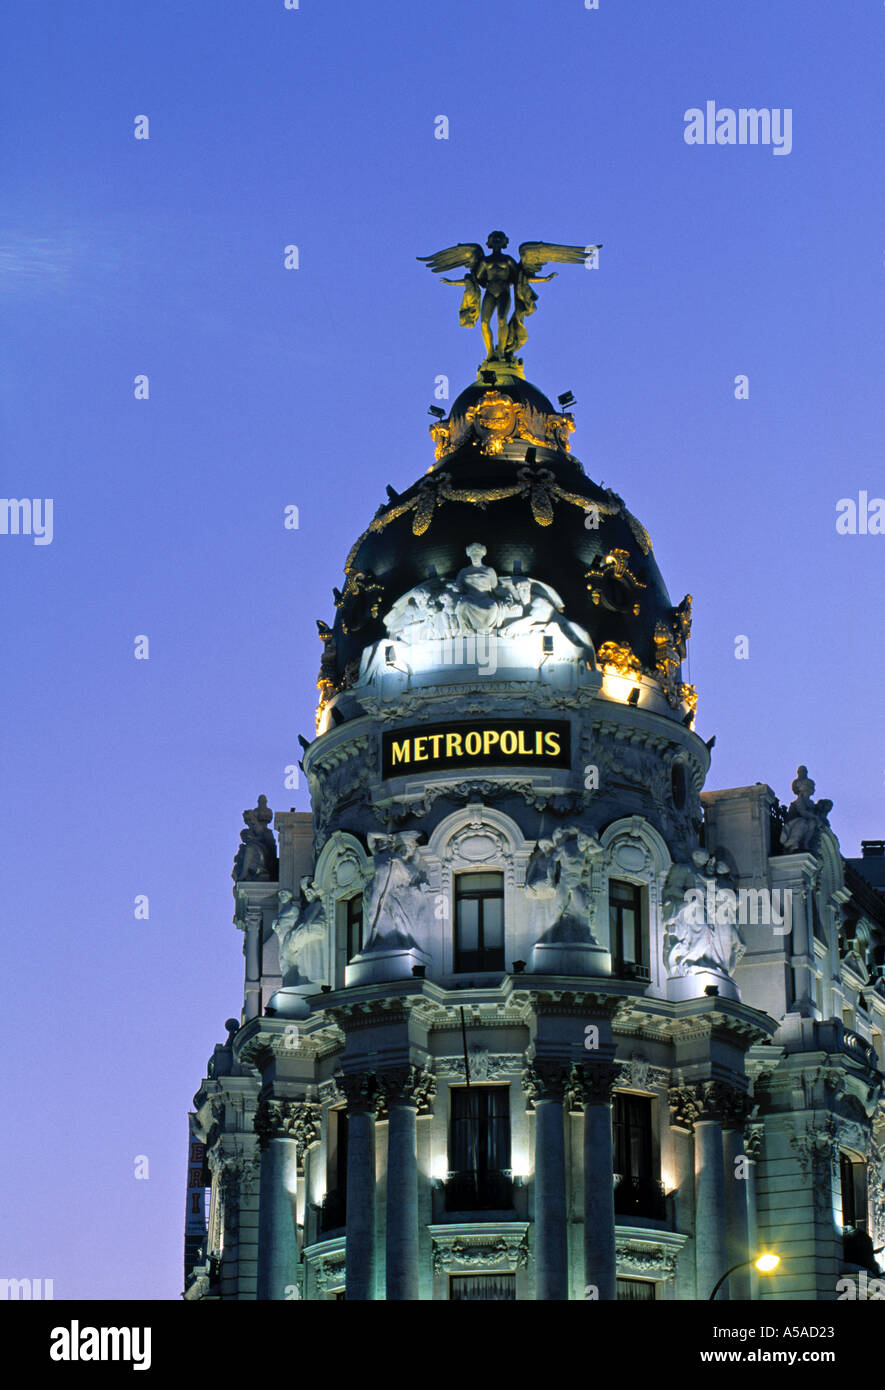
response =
{"points": [[418, 971], [547, 644], [325, 989], [531, 456], [390, 655], [633, 697], [437, 411], [711, 991], [566, 400], [518, 967], [489, 378], [687, 719]]}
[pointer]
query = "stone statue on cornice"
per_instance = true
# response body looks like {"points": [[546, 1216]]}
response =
{"points": [[805, 818]]}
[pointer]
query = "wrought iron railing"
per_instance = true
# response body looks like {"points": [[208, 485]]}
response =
{"points": [[491, 1190], [640, 1197]]}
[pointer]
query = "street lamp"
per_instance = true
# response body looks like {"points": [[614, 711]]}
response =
{"points": [[766, 1263]]}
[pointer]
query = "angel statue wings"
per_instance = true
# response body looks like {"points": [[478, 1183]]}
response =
{"points": [[496, 273]]}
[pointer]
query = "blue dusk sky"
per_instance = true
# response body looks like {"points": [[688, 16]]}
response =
{"points": [[121, 257]]}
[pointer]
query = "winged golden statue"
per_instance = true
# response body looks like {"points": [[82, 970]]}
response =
{"points": [[495, 272]]}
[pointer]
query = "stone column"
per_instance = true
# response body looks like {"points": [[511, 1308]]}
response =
{"points": [[700, 1107], [753, 1138], [363, 1098], [738, 1176], [408, 1090], [543, 1083], [590, 1089], [249, 916], [285, 1128]]}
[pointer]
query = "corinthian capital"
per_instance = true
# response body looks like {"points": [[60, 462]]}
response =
{"points": [[287, 1119], [591, 1084], [544, 1081], [409, 1086], [709, 1100], [362, 1092]]}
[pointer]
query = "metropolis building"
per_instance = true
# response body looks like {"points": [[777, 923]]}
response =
{"points": [[527, 1013]]}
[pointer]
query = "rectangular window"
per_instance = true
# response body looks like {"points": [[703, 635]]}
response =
{"points": [[636, 1291], [479, 922], [334, 1210], [629, 939], [479, 1149], [354, 926], [854, 1192], [638, 1191], [486, 1288]]}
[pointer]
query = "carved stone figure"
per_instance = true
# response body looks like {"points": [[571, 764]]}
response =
{"points": [[805, 818], [256, 858], [700, 926], [393, 896], [496, 273], [300, 928], [559, 872], [478, 600]]}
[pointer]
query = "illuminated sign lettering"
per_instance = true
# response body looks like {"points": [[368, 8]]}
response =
{"points": [[487, 742]]}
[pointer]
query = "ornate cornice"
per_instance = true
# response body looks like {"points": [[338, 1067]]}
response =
{"points": [[287, 1119]]}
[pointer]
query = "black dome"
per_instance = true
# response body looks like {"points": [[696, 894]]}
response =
{"points": [[531, 505]]}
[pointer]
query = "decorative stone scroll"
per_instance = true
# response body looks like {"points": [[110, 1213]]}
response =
{"points": [[644, 1258], [484, 1065], [508, 1250]]}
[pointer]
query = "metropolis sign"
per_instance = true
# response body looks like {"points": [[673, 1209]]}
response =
{"points": [[479, 743]]}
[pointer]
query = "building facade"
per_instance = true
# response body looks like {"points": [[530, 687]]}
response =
{"points": [[527, 1013]]}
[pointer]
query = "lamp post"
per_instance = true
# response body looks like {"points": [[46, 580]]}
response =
{"points": [[765, 1263]]}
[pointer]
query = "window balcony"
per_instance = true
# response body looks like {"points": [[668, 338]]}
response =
{"points": [[631, 970], [491, 1190], [640, 1197], [857, 1249], [332, 1212]]}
